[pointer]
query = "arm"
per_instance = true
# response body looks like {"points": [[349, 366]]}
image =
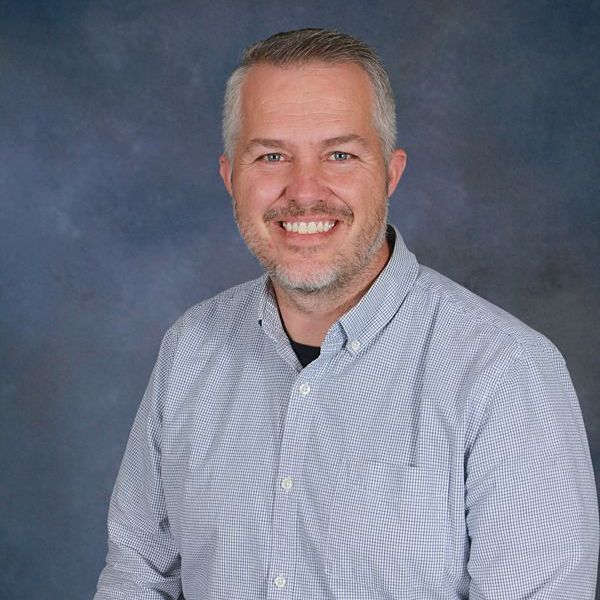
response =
{"points": [[143, 561], [530, 501]]}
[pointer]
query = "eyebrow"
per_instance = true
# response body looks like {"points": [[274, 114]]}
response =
{"points": [[266, 142], [345, 139], [335, 141]]}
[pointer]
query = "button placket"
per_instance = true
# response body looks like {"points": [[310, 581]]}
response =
{"points": [[284, 545]]}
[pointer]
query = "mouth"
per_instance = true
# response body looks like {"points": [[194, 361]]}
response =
{"points": [[308, 227]]}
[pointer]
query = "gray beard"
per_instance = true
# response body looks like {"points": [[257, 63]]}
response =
{"points": [[337, 278], [331, 281]]}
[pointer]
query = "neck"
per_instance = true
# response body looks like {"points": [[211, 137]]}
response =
{"points": [[308, 317]]}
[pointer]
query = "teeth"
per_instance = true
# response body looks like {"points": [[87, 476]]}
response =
{"points": [[305, 227]]}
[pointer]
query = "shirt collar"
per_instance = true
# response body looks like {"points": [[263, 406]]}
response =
{"points": [[369, 316]]}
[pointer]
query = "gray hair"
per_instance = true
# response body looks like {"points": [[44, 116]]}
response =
{"points": [[303, 46]]}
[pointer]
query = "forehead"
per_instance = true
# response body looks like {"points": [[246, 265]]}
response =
{"points": [[316, 93]]}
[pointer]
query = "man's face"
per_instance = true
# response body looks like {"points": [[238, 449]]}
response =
{"points": [[308, 177]]}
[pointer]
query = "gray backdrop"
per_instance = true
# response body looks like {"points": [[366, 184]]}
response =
{"points": [[114, 220]]}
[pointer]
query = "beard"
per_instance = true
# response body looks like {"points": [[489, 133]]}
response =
{"points": [[317, 278]]}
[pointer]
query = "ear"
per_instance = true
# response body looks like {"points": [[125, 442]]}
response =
{"points": [[395, 168], [225, 169]]}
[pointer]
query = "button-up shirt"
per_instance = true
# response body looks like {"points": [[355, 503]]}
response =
{"points": [[434, 450]]}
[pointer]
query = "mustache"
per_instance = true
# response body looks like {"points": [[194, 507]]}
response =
{"points": [[294, 210]]}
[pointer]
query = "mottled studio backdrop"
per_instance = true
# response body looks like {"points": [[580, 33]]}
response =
{"points": [[113, 218]]}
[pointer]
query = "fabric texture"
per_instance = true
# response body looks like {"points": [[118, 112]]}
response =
{"points": [[434, 450]]}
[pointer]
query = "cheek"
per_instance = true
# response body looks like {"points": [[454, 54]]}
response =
{"points": [[257, 193], [359, 190]]}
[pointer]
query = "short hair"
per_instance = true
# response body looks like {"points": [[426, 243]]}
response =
{"points": [[303, 46]]}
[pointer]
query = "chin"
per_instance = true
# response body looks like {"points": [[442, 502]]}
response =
{"points": [[305, 283]]}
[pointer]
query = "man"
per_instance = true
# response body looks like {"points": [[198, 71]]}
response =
{"points": [[352, 424]]}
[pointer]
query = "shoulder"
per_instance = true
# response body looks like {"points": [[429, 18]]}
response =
{"points": [[214, 317], [467, 314], [505, 367]]}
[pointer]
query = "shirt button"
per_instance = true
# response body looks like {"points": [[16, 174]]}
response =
{"points": [[279, 581], [304, 389], [355, 345], [287, 483]]}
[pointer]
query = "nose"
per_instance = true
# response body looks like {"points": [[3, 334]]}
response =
{"points": [[305, 185]]}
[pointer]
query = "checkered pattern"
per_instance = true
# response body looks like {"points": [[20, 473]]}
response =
{"points": [[434, 450]]}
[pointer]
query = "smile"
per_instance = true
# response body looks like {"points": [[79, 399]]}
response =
{"points": [[307, 227]]}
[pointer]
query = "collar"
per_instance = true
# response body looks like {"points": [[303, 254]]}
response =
{"points": [[357, 328]]}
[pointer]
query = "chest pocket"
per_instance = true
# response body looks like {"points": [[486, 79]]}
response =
{"points": [[388, 527]]}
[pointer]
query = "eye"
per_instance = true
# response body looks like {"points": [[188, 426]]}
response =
{"points": [[272, 157], [340, 156]]}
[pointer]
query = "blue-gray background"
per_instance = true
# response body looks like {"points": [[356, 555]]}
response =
{"points": [[114, 220]]}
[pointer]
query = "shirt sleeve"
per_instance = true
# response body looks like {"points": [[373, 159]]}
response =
{"points": [[143, 561], [530, 501]]}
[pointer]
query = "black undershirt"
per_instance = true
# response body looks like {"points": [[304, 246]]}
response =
{"points": [[306, 354]]}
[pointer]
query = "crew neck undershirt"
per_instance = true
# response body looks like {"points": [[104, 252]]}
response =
{"points": [[306, 354]]}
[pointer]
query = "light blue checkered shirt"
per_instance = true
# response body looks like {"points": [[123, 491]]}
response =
{"points": [[434, 450]]}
